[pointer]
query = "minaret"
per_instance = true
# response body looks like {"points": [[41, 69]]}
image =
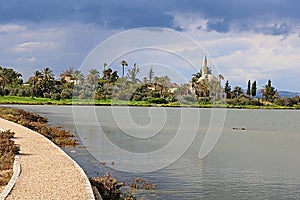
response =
{"points": [[204, 66]]}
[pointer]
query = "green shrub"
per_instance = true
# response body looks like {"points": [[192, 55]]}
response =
{"points": [[47, 95], [14, 92], [189, 98], [204, 101], [21, 92], [157, 100], [55, 96], [66, 94]]}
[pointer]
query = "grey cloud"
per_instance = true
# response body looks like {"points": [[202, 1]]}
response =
{"points": [[275, 29], [236, 14], [116, 14], [218, 25], [226, 15]]}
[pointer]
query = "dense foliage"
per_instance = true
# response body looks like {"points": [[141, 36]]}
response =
{"points": [[108, 85]]}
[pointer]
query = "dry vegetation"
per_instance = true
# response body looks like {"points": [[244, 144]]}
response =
{"points": [[38, 124], [8, 150], [109, 188]]}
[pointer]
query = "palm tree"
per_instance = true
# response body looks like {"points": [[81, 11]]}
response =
{"points": [[78, 77], [47, 80], [124, 64], [47, 74], [93, 77], [220, 77], [104, 66], [151, 74], [3, 77], [132, 73], [37, 76], [196, 76], [205, 88], [68, 74], [35, 82], [9, 76]]}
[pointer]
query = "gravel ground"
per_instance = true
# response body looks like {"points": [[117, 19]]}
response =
{"points": [[1, 188], [46, 172]]}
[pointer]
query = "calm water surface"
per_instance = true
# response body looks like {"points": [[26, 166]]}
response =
{"points": [[262, 162]]}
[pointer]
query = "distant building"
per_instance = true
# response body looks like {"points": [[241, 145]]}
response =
{"points": [[206, 74], [207, 85], [70, 79], [156, 87]]}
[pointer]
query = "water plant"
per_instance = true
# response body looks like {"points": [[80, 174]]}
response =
{"points": [[109, 188], [141, 183]]}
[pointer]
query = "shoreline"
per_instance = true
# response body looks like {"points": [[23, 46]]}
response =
{"points": [[47, 171], [15, 100], [218, 106]]}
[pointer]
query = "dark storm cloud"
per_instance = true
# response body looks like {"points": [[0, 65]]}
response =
{"points": [[222, 15], [113, 14], [270, 17], [237, 9]]}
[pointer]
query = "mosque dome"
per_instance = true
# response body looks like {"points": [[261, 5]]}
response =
{"points": [[205, 74]]}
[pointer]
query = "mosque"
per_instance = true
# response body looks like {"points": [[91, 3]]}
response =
{"points": [[207, 85]]}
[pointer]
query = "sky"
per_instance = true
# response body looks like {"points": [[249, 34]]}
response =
{"points": [[244, 40]]}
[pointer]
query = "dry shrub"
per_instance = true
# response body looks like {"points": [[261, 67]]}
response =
{"points": [[5, 176], [39, 124], [8, 150], [109, 188]]}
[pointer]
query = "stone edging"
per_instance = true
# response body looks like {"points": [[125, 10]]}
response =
{"points": [[13, 180], [88, 186], [17, 171]]}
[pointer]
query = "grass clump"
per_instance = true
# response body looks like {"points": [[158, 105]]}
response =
{"points": [[39, 124], [8, 150]]}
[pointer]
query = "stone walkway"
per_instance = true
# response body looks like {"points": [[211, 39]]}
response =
{"points": [[46, 171]]}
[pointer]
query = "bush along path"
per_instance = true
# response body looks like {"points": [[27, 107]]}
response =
{"points": [[8, 150], [107, 186], [46, 171], [39, 124]]}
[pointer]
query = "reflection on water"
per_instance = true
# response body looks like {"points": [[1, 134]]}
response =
{"points": [[261, 162]]}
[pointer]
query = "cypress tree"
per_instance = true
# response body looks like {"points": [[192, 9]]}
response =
{"points": [[227, 89], [248, 89], [254, 89]]}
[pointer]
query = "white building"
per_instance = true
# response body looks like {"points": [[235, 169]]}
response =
{"points": [[206, 75], [207, 85]]}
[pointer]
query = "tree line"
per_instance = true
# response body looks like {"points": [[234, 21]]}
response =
{"points": [[269, 95], [95, 85], [108, 84]]}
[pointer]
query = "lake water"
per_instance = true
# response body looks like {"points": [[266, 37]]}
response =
{"points": [[261, 162]]}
